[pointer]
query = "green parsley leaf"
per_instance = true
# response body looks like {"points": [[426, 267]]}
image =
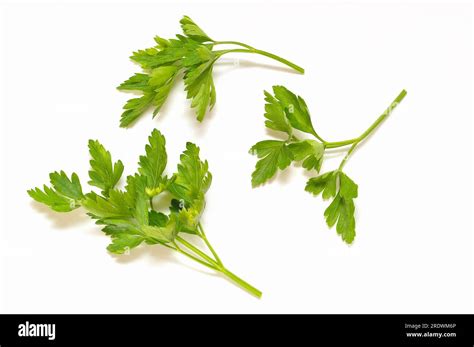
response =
{"points": [[193, 31], [103, 174], [135, 107], [347, 187], [117, 226], [295, 109], [274, 155], [325, 183], [157, 219], [139, 81], [159, 86], [114, 207], [161, 43], [141, 201], [197, 54], [163, 234], [342, 208], [312, 162], [342, 211], [275, 115], [154, 162], [161, 76], [200, 88], [193, 178], [124, 242], [310, 151], [70, 188], [156, 86], [51, 198], [154, 57]]}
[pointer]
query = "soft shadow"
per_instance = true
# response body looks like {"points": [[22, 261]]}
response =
{"points": [[306, 173], [310, 173], [276, 134], [158, 255], [61, 220], [333, 156], [133, 93], [201, 127], [282, 177]]}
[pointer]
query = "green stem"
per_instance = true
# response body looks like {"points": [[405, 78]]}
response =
{"points": [[319, 137], [264, 53], [151, 203], [339, 143], [374, 126], [196, 250], [247, 286], [210, 263], [203, 236], [366, 133], [233, 43], [384, 115], [195, 258], [348, 154]]}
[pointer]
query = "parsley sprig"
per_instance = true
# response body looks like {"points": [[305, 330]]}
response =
{"points": [[285, 112], [129, 216], [191, 56]]}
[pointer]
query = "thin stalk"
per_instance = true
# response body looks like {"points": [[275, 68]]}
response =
{"points": [[166, 245], [374, 126], [180, 250], [348, 154], [366, 133], [264, 53], [210, 263], [339, 143], [319, 137], [151, 203], [195, 250], [247, 286], [384, 115], [203, 236], [233, 43]]}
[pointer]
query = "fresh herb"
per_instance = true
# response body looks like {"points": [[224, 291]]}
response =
{"points": [[194, 56], [129, 216], [285, 112]]}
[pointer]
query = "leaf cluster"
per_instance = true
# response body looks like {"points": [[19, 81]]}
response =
{"points": [[127, 215], [190, 54], [288, 113]]}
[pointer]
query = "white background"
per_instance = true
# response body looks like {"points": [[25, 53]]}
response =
{"points": [[413, 250]]}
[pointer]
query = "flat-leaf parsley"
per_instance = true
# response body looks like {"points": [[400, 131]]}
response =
{"points": [[286, 112], [191, 56], [129, 216]]}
